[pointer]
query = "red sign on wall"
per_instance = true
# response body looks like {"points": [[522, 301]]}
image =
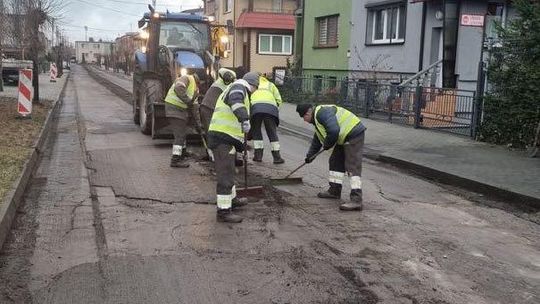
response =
{"points": [[472, 20]]}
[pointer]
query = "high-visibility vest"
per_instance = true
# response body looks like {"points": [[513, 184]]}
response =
{"points": [[346, 121], [172, 98], [220, 84], [264, 93], [224, 121]]}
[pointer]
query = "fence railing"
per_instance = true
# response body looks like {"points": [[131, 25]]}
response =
{"points": [[448, 110]]}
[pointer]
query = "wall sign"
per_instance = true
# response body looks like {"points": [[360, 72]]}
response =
{"points": [[472, 20]]}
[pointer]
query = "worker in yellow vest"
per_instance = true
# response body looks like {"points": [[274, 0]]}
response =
{"points": [[265, 103], [226, 134], [181, 110], [338, 128], [225, 78]]}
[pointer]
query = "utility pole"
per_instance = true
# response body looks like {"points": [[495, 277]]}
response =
{"points": [[85, 33], [2, 33]]}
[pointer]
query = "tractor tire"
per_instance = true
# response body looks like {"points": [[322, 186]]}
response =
{"points": [[151, 93], [135, 104]]}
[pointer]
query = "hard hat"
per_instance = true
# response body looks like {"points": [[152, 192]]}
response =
{"points": [[252, 78], [227, 75]]}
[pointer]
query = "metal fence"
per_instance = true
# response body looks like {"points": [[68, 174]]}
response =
{"points": [[448, 110]]}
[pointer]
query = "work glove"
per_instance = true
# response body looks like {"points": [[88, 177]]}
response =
{"points": [[246, 126], [309, 158]]}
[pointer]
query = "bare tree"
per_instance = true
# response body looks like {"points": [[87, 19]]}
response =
{"points": [[30, 19]]}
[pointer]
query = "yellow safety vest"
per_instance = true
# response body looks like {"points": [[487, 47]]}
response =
{"points": [[220, 84], [346, 121], [172, 98], [265, 93], [224, 121]]}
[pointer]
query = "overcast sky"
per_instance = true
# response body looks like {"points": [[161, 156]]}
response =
{"points": [[108, 19]]}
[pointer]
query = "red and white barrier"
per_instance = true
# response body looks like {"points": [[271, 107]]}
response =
{"points": [[26, 92], [53, 71]]}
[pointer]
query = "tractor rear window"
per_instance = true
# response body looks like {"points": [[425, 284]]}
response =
{"points": [[186, 35]]}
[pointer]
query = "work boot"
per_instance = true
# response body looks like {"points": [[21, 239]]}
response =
{"points": [[355, 204], [277, 157], [257, 155], [239, 202], [178, 161], [334, 192], [227, 216]]}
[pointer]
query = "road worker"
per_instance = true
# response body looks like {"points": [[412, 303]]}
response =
{"points": [[265, 103], [226, 134], [181, 110], [338, 128], [225, 78]]}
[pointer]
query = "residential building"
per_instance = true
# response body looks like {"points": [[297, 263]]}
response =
{"points": [[261, 32], [393, 40], [126, 45], [326, 38], [93, 51]]}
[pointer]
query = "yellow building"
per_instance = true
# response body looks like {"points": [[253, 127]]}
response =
{"points": [[261, 32]]}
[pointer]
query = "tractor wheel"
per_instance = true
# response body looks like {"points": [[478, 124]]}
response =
{"points": [[135, 104], [151, 93]]}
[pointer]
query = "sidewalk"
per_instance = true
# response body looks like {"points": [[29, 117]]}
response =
{"points": [[47, 90], [493, 168]]}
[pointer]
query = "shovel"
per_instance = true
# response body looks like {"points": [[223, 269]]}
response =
{"points": [[254, 191], [288, 180]]}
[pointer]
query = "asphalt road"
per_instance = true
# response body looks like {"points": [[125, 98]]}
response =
{"points": [[106, 220]]}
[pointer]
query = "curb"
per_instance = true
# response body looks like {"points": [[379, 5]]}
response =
{"points": [[13, 198], [498, 193]]}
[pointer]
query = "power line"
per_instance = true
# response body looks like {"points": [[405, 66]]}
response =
{"points": [[94, 28], [107, 8]]}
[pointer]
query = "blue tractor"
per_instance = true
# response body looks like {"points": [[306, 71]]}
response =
{"points": [[175, 44]]}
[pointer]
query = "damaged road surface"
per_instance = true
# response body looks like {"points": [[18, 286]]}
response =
{"points": [[106, 220]]}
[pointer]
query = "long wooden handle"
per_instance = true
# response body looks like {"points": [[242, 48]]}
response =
{"points": [[300, 167]]}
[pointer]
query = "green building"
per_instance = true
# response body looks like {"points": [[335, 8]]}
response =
{"points": [[324, 31]]}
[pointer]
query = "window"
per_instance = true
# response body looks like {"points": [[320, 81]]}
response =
{"points": [[495, 14], [332, 82], [386, 24], [227, 5], [327, 31], [275, 44], [277, 6]]}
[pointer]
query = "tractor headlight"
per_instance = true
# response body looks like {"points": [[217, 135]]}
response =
{"points": [[183, 72], [144, 34]]}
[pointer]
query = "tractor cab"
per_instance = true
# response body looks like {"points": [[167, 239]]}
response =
{"points": [[175, 44]]}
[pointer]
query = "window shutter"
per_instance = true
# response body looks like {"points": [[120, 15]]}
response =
{"points": [[323, 31], [332, 30]]}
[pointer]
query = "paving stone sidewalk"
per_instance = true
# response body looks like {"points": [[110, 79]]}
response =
{"points": [[47, 90], [460, 156]]}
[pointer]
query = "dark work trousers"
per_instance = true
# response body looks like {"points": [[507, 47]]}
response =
{"points": [[224, 156], [206, 116], [269, 124], [179, 129], [348, 157], [178, 120]]}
